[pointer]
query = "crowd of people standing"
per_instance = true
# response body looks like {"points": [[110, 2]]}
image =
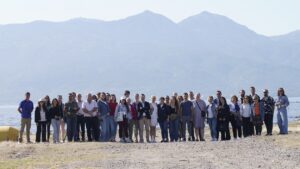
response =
{"points": [[98, 117]]}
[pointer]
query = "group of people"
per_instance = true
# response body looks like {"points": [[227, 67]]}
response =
{"points": [[99, 116]]}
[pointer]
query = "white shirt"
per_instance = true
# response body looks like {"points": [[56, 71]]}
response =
{"points": [[89, 107], [80, 111], [43, 115], [246, 110], [210, 112]]}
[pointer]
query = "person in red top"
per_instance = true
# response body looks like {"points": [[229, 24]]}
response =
{"points": [[134, 122], [112, 124]]}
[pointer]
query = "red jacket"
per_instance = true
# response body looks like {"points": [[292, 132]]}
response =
{"points": [[112, 107]]}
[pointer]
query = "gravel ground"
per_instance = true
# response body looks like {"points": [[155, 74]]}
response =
{"points": [[275, 152]]}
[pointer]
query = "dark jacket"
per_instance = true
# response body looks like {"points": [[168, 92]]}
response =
{"points": [[144, 110], [162, 113], [37, 117], [223, 113], [55, 113]]}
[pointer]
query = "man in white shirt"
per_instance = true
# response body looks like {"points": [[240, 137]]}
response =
{"points": [[90, 115], [80, 120]]}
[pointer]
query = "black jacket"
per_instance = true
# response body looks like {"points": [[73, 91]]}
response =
{"points": [[162, 112], [142, 110], [55, 113], [37, 117]]}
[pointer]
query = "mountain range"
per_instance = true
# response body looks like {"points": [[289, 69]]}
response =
{"points": [[146, 53]]}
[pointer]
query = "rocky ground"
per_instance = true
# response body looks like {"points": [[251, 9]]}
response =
{"points": [[274, 152]]}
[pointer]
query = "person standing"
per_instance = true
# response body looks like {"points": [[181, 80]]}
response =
{"points": [[192, 99], [63, 121], [246, 111], [242, 95], [174, 119], [154, 117], [212, 118], [41, 119], [48, 105], [223, 119], [144, 118], [80, 130], [121, 116], [218, 98], [135, 121], [55, 116], [269, 106], [200, 111], [112, 123], [89, 109], [71, 108], [103, 110], [162, 113], [235, 117], [180, 124], [282, 103], [25, 109], [186, 112], [258, 115]]}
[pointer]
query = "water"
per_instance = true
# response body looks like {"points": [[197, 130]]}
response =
{"points": [[9, 115]]}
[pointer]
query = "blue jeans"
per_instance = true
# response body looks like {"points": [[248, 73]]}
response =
{"points": [[164, 127], [174, 129], [186, 121], [111, 127], [104, 124], [282, 121], [212, 122], [55, 124], [71, 127]]}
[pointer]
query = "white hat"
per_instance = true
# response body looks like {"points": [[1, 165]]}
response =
{"points": [[42, 100], [123, 98]]}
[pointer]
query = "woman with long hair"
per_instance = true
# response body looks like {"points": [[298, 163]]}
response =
{"points": [[174, 119], [112, 123], [235, 117], [223, 119], [282, 103], [246, 111], [41, 119], [48, 106], [56, 116], [121, 116]]}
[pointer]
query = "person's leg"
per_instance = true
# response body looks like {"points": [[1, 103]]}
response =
{"points": [[54, 130], [285, 122], [82, 128], [22, 130], [209, 121], [202, 134], [245, 132], [197, 134], [88, 128], [120, 130], [191, 130], [28, 126], [234, 128], [141, 129], [147, 128], [271, 124], [57, 130], [279, 122], [103, 129], [77, 133], [184, 125], [126, 130], [48, 125], [44, 131], [38, 132], [214, 129], [96, 130], [130, 129], [62, 128]]}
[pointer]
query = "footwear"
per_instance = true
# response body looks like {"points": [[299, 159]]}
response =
{"points": [[202, 139], [197, 140]]}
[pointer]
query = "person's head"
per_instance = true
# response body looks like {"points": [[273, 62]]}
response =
{"points": [[127, 93], [70, 97], [167, 100], [123, 100], [185, 96], [234, 99], [94, 97], [89, 97], [143, 97], [128, 101], [266, 92], [281, 92], [60, 98], [113, 98], [256, 99], [47, 98], [54, 102], [191, 95], [210, 99], [198, 96], [242, 93], [74, 95], [99, 95], [103, 96], [219, 94], [79, 97], [246, 100], [27, 96], [252, 90], [175, 94], [180, 98], [41, 102], [137, 97], [107, 96], [223, 101], [161, 100], [153, 99], [173, 101]]}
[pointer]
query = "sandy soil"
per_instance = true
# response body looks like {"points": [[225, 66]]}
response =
{"points": [[275, 152]]}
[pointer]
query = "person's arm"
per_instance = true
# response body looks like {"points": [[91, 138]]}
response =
{"points": [[19, 108]]}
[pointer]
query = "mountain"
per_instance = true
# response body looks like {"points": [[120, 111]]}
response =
{"points": [[146, 53]]}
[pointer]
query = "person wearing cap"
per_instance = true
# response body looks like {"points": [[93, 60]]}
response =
{"points": [[41, 119], [282, 103], [144, 117], [122, 114], [103, 112], [89, 109], [25, 109], [70, 109], [269, 106]]}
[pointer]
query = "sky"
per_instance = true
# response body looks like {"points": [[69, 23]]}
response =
{"points": [[267, 17]]}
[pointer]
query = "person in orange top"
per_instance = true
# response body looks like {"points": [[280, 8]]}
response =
{"points": [[258, 115]]}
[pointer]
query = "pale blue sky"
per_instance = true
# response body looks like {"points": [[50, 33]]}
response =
{"points": [[268, 17]]}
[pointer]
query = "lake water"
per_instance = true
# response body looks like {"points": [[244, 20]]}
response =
{"points": [[10, 117]]}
